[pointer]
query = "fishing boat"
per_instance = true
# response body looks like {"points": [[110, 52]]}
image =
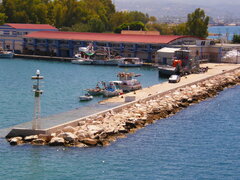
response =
{"points": [[130, 62], [6, 54], [111, 90], [98, 90], [103, 56], [86, 97], [127, 82], [166, 70], [84, 55]]}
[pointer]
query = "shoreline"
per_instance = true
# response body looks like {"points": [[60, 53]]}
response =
{"points": [[101, 130]]}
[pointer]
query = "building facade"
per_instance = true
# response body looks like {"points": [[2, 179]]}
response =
{"points": [[66, 44], [11, 34]]}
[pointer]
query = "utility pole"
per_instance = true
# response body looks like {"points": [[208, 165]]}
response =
{"points": [[37, 105]]}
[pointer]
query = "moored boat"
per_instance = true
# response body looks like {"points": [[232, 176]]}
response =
{"points": [[86, 97], [130, 62], [165, 70], [6, 54], [84, 55], [96, 91], [111, 90], [127, 83]]}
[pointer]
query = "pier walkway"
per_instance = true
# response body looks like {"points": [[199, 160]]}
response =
{"points": [[62, 118], [56, 122]]}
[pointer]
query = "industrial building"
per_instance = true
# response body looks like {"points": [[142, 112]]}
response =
{"points": [[66, 44], [11, 34]]}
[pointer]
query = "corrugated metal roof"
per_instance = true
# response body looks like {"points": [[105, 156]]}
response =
{"points": [[105, 37], [31, 26]]}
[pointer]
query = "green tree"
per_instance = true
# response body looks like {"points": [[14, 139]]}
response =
{"points": [[180, 29], [123, 17], [3, 17], [197, 23], [130, 26], [236, 39]]}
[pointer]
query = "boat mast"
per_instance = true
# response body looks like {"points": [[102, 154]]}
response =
{"points": [[37, 105]]}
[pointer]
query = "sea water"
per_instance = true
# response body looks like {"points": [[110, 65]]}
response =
{"points": [[224, 31], [200, 142], [62, 85]]}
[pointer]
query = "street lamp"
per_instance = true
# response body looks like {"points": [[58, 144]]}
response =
{"points": [[37, 106]]}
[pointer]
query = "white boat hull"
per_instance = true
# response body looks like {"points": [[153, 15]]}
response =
{"points": [[107, 93], [85, 98], [131, 88], [82, 62], [7, 55]]}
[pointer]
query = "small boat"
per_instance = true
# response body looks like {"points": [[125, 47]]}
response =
{"points": [[6, 54], [165, 70], [130, 62], [111, 90], [86, 97], [127, 83], [96, 91], [103, 56]]}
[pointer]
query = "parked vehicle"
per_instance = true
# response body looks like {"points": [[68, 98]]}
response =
{"points": [[174, 78]]}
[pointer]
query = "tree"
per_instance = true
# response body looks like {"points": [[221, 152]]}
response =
{"points": [[236, 39], [197, 23], [3, 17], [130, 26], [125, 17]]}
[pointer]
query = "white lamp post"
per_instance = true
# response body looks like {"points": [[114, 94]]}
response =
{"points": [[37, 106]]}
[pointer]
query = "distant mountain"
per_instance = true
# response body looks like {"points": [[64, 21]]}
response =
{"points": [[160, 8]]}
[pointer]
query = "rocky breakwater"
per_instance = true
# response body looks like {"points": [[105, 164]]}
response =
{"points": [[101, 130]]}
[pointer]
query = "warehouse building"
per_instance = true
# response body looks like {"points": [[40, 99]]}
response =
{"points": [[66, 44], [11, 34]]}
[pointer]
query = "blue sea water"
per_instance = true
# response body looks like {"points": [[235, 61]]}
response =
{"points": [[63, 84], [228, 31], [200, 142]]}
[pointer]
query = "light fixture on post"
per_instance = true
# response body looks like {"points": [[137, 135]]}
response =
{"points": [[37, 105]]}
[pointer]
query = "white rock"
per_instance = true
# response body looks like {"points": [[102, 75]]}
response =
{"points": [[67, 136], [57, 141], [15, 140]]}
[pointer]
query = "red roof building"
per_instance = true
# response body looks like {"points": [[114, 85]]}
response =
{"points": [[38, 27], [11, 34], [108, 37], [65, 44]]}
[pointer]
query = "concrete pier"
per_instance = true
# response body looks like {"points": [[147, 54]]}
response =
{"points": [[116, 104]]}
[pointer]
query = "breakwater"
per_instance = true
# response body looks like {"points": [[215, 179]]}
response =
{"points": [[101, 129]]}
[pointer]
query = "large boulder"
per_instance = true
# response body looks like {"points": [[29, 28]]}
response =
{"points": [[90, 142], [39, 141], [69, 137], [15, 141], [57, 141], [30, 138], [94, 129]]}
